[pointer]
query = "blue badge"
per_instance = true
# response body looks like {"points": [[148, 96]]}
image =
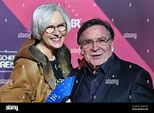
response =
{"points": [[62, 91]]}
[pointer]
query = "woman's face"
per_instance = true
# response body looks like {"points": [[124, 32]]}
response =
{"points": [[54, 35]]}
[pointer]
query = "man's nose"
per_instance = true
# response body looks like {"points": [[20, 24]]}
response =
{"points": [[95, 45]]}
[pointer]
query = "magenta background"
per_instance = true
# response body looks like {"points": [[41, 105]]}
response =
{"points": [[125, 16]]}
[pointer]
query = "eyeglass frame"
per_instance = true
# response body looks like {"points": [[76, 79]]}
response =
{"points": [[57, 26], [89, 43]]}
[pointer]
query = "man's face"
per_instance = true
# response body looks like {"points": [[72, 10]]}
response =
{"points": [[96, 46]]}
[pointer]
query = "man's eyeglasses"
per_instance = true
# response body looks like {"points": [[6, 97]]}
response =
{"points": [[99, 41], [61, 27]]}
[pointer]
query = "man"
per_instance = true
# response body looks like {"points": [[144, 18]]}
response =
{"points": [[105, 77]]}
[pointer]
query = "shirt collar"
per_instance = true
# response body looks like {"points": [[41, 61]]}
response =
{"points": [[106, 64]]}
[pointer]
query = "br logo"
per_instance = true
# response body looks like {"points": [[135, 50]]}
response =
{"points": [[75, 23]]}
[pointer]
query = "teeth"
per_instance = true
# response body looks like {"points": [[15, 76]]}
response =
{"points": [[56, 39], [96, 55]]}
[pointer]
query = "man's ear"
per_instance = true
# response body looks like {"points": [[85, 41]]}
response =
{"points": [[112, 47], [81, 51]]}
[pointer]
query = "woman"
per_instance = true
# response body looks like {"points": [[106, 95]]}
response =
{"points": [[43, 60]]}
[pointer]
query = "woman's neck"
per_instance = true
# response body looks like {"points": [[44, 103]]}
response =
{"points": [[46, 51]]}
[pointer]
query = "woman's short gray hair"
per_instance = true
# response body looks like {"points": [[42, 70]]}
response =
{"points": [[42, 17]]}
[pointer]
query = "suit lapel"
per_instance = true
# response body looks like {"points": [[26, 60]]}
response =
{"points": [[77, 83]]}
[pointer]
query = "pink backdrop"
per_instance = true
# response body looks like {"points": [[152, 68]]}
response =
{"points": [[132, 22]]}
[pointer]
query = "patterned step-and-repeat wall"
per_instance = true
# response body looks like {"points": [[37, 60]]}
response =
{"points": [[132, 21]]}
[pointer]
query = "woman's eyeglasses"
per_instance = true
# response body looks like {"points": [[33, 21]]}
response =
{"points": [[61, 27]]}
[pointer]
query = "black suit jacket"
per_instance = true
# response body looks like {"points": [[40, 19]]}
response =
{"points": [[124, 82]]}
